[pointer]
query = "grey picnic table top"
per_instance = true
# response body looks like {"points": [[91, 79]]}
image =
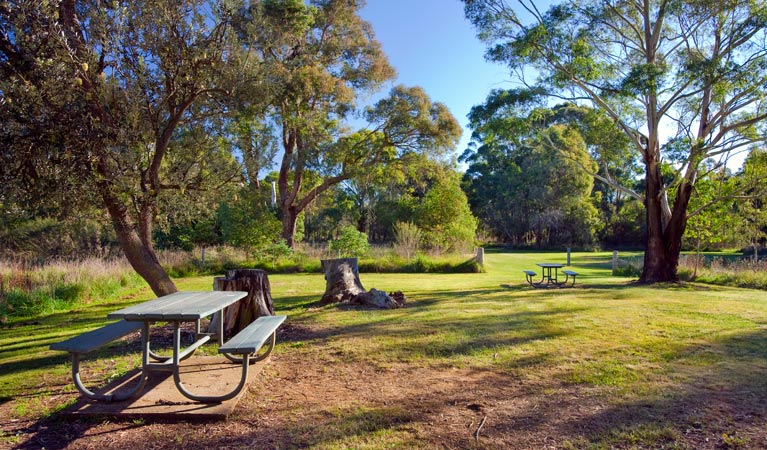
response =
{"points": [[550, 265], [180, 306]]}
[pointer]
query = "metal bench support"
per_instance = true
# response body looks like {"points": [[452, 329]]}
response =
{"points": [[246, 343]]}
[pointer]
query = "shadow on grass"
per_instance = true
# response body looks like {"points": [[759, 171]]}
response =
{"points": [[400, 335], [721, 402]]}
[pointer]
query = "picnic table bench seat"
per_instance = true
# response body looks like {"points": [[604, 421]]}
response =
{"points": [[529, 274], [93, 340], [251, 338], [570, 274], [246, 343]]}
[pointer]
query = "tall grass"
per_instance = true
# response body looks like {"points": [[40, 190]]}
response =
{"points": [[736, 272], [729, 270], [28, 290], [33, 290]]}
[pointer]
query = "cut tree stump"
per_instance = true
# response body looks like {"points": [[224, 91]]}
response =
{"points": [[258, 302], [343, 285]]}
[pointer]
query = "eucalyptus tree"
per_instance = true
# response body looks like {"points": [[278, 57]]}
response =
{"points": [[92, 97], [318, 60], [683, 80]]}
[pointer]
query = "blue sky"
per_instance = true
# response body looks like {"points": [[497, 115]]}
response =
{"points": [[431, 44]]}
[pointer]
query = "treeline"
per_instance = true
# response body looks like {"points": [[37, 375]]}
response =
{"points": [[425, 200], [546, 177]]}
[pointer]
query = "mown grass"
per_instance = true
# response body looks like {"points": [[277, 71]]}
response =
{"points": [[633, 348]]}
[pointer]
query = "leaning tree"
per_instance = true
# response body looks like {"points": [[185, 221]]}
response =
{"points": [[93, 96], [683, 80]]}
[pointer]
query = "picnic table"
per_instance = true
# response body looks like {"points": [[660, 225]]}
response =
{"points": [[549, 280], [175, 309]]}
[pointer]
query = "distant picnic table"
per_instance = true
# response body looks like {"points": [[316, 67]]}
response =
{"points": [[549, 280]]}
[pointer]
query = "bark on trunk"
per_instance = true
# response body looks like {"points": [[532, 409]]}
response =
{"points": [[664, 240], [289, 218], [342, 280], [140, 254], [258, 302]]}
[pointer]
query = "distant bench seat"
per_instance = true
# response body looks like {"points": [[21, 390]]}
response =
{"points": [[529, 274], [570, 274]]}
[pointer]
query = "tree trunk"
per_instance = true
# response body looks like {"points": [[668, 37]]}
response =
{"points": [[140, 254], [258, 302], [664, 241], [289, 218], [342, 280]]}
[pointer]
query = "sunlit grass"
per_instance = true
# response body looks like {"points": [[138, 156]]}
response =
{"points": [[621, 342]]}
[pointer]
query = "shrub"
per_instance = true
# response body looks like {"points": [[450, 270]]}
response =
{"points": [[351, 243], [407, 238]]}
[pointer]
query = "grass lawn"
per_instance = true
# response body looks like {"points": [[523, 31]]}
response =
{"points": [[604, 365]]}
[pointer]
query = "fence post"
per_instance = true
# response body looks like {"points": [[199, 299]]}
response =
{"points": [[615, 261], [568, 256]]}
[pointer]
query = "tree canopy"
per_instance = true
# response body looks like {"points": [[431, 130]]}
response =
{"points": [[317, 59], [524, 189], [94, 101]]}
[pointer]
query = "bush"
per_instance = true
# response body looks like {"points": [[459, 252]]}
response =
{"points": [[407, 238], [351, 243]]}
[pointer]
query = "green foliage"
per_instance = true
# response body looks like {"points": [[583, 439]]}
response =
{"points": [[317, 61], [407, 238], [626, 227], [444, 216], [529, 177], [248, 222], [350, 243], [42, 238]]}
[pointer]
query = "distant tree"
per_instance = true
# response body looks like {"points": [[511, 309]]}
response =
{"points": [[249, 221], [317, 60], [751, 212], [444, 216], [709, 225], [693, 70], [91, 98], [522, 188]]}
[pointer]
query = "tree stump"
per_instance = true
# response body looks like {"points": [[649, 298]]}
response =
{"points": [[258, 302], [342, 284], [342, 280]]}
